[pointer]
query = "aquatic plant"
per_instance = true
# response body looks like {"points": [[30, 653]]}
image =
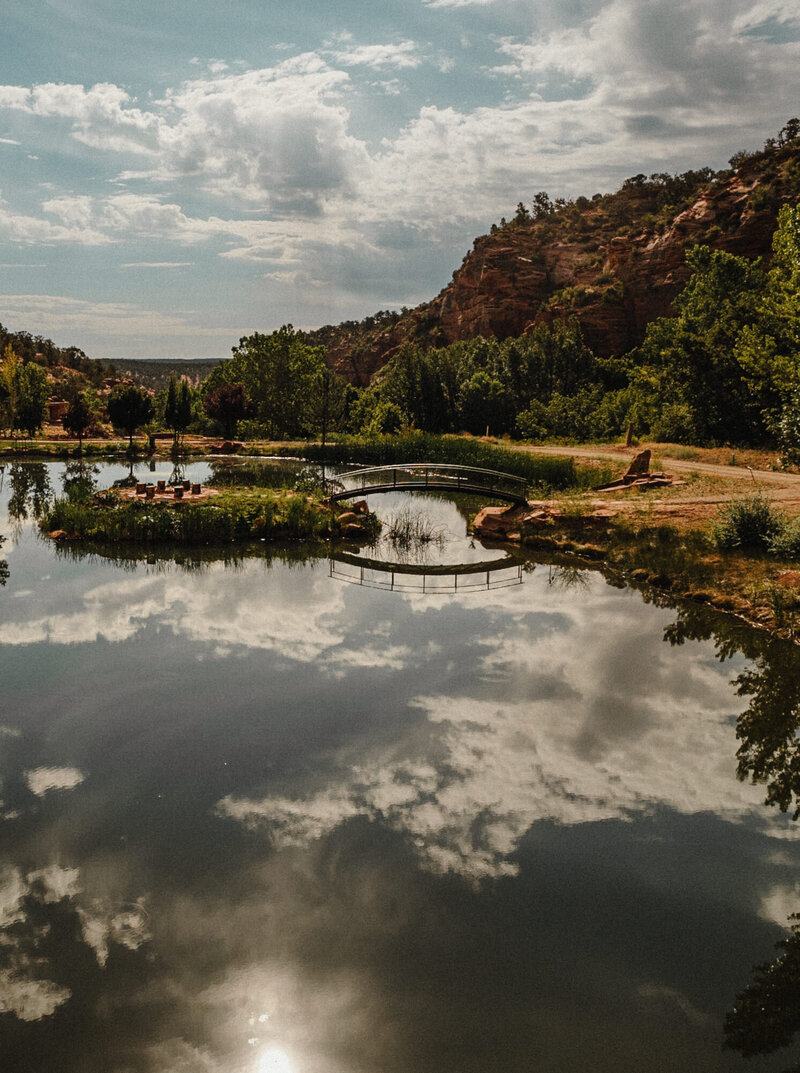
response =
{"points": [[408, 529]]}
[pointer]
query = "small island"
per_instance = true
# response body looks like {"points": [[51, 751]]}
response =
{"points": [[194, 514]]}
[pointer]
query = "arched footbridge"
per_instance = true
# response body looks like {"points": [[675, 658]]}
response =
{"points": [[425, 578], [427, 477]]}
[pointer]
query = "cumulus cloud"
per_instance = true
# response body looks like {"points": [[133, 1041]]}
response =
{"points": [[102, 116], [36, 231], [589, 728], [400, 55], [634, 84], [687, 63], [103, 923], [221, 616], [756, 15]]}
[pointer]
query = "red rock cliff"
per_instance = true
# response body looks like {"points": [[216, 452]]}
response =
{"points": [[609, 262]]}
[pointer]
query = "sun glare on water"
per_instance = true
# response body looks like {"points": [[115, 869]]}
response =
{"points": [[274, 1061]]}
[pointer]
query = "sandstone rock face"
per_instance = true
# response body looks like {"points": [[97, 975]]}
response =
{"points": [[512, 279]]}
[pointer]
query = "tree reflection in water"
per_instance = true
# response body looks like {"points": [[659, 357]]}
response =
{"points": [[30, 492], [766, 1015], [79, 479]]}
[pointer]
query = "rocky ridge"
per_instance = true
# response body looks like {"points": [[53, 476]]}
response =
{"points": [[614, 262]]}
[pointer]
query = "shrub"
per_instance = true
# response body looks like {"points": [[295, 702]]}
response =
{"points": [[748, 523], [785, 543]]}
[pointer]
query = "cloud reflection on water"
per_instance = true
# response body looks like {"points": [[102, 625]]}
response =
{"points": [[375, 752]]}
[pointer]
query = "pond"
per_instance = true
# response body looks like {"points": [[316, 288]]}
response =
{"points": [[255, 817]]}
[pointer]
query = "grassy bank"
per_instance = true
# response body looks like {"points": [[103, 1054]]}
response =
{"points": [[542, 472], [243, 514], [744, 578]]}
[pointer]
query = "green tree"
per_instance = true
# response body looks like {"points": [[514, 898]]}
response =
{"points": [[768, 348], [387, 419], [278, 372], [483, 404], [691, 360], [9, 385], [178, 407], [128, 409], [33, 392], [329, 402], [229, 405], [78, 417], [767, 1014]]}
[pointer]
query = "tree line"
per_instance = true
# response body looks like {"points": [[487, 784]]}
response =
{"points": [[723, 369]]}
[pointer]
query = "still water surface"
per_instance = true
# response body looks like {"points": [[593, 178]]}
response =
{"points": [[256, 818]]}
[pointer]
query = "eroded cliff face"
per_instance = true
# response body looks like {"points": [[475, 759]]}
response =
{"points": [[581, 265]]}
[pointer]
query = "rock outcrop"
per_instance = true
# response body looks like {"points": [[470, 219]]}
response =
{"points": [[581, 263]]}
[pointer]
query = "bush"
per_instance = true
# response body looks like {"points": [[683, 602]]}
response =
{"points": [[785, 543], [675, 423], [748, 523]]}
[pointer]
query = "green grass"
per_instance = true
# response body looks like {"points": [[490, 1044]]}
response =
{"points": [[542, 472], [234, 516]]}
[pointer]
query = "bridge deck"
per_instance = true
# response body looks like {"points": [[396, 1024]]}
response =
{"points": [[425, 486], [423, 477], [430, 580]]}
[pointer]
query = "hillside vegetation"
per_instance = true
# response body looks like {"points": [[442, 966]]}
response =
{"points": [[613, 261]]}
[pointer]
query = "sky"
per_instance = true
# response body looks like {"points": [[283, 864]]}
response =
{"points": [[175, 176]]}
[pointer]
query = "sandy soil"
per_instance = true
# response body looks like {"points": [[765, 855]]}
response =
{"points": [[708, 484]]}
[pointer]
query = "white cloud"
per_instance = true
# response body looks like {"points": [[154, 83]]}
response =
{"points": [[458, 3], [780, 902], [33, 230], [21, 993], [404, 54], [42, 780], [103, 923], [756, 14], [24, 989], [588, 727], [58, 315], [102, 116]]}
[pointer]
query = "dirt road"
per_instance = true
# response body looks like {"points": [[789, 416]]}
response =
{"points": [[674, 465], [687, 503]]}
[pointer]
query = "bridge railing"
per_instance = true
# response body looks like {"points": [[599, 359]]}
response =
{"points": [[435, 475], [393, 577]]}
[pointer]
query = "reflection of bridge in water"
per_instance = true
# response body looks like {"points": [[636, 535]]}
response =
{"points": [[413, 577], [425, 477]]}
